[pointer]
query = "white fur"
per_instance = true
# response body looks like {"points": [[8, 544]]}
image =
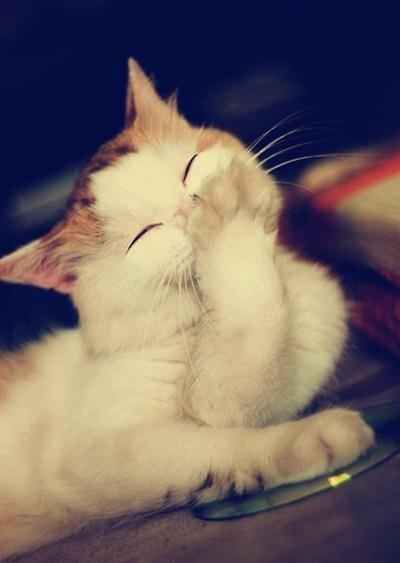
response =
{"points": [[117, 415]]}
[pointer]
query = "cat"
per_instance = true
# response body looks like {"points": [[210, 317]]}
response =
{"points": [[201, 339]]}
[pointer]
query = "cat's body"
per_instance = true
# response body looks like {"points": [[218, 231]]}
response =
{"points": [[198, 328]]}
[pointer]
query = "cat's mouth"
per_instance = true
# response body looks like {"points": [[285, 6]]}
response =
{"points": [[142, 233]]}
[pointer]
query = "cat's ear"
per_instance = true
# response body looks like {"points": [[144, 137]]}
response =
{"points": [[46, 262], [142, 100]]}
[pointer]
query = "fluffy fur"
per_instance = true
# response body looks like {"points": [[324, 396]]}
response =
{"points": [[196, 346]]}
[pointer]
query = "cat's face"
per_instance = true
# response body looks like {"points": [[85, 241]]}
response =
{"points": [[126, 225], [144, 202]]}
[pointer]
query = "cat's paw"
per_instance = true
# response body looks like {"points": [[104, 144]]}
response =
{"points": [[239, 191], [323, 443]]}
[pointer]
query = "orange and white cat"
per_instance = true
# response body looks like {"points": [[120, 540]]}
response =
{"points": [[200, 337]]}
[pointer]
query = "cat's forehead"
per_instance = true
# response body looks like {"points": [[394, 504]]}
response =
{"points": [[152, 180], [126, 160]]}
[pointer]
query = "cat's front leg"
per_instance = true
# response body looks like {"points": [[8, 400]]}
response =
{"points": [[241, 337], [146, 469]]}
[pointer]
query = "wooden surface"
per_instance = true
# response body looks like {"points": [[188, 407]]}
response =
{"points": [[356, 522]]}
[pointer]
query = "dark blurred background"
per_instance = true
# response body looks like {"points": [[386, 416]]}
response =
{"points": [[240, 66]]}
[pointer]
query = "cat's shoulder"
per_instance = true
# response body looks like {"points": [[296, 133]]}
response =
{"points": [[60, 347]]}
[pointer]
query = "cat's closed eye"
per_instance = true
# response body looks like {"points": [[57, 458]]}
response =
{"points": [[187, 169]]}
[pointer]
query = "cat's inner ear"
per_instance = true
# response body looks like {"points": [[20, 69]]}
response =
{"points": [[142, 99], [44, 263]]}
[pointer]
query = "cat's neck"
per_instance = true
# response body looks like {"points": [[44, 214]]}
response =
{"points": [[141, 327]]}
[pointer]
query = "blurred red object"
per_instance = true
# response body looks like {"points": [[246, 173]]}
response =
{"points": [[348, 216]]}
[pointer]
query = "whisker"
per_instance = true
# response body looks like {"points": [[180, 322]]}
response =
{"points": [[321, 155], [168, 284], [203, 311], [295, 185], [268, 131], [287, 149], [196, 294], [158, 298], [278, 140], [151, 310], [190, 362], [180, 324]]}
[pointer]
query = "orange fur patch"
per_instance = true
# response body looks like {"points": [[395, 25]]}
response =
{"points": [[210, 136], [14, 366]]}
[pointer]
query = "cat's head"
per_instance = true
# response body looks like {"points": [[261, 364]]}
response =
{"points": [[123, 224]]}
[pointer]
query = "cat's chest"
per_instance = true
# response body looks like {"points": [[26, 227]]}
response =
{"points": [[139, 388]]}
